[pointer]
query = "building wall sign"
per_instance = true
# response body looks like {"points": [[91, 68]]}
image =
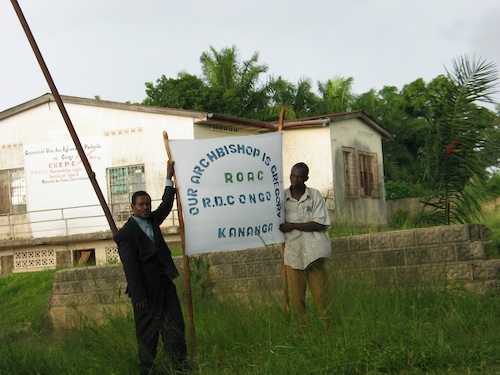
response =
{"points": [[56, 178]]}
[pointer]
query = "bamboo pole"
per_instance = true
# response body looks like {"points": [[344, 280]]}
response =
{"points": [[283, 266], [65, 116], [185, 260]]}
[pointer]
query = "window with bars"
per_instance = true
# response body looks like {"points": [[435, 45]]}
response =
{"points": [[12, 191], [122, 183], [368, 174], [361, 178], [350, 172]]}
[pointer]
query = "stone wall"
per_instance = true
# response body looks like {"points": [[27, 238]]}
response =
{"points": [[87, 294], [6, 263], [445, 255]]}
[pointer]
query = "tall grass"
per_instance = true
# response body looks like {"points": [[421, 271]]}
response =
{"points": [[24, 300], [375, 329], [492, 221]]}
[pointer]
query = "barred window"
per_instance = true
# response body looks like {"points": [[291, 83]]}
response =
{"points": [[122, 183], [12, 191], [368, 172], [361, 178], [350, 172]]}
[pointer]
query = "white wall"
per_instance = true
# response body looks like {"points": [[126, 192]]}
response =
{"points": [[311, 146], [364, 210], [125, 137]]}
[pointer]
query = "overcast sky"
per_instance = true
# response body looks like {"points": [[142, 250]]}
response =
{"points": [[111, 48]]}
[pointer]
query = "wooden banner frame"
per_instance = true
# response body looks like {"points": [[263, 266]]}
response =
{"points": [[283, 266], [185, 259]]}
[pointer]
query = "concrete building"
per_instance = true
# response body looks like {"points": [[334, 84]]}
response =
{"points": [[49, 212], [344, 155]]}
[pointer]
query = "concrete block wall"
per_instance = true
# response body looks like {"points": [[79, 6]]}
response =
{"points": [[88, 294], [446, 254], [252, 273]]}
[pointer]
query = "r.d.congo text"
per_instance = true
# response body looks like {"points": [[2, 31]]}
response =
{"points": [[229, 200]]}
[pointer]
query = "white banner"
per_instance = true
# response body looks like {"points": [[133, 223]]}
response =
{"points": [[231, 191]]}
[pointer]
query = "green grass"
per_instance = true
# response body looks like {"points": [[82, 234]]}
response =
{"points": [[24, 302], [374, 330], [492, 221], [175, 248]]}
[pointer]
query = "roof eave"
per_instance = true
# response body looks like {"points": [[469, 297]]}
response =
{"points": [[317, 121], [228, 120], [47, 98]]}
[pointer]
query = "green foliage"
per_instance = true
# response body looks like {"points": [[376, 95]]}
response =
{"points": [[397, 189], [404, 220], [185, 92], [461, 143], [200, 278], [492, 186], [233, 87], [492, 221], [298, 100], [444, 141], [234, 84], [403, 189], [401, 113], [336, 95], [175, 248]]}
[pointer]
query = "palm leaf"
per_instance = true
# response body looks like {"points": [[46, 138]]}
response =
{"points": [[459, 152]]}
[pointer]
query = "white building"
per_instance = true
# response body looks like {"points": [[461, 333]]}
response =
{"points": [[344, 155], [49, 212]]}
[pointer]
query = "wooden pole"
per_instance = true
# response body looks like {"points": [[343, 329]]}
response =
{"points": [[185, 260], [65, 116], [283, 266]]}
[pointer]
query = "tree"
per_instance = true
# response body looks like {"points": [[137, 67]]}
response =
{"points": [[298, 100], [234, 84], [336, 95], [185, 92], [395, 110], [462, 141]]}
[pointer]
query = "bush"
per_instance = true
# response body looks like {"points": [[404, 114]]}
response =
{"points": [[492, 186], [402, 189], [404, 220]]}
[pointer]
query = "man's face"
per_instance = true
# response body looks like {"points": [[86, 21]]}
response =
{"points": [[298, 177], [142, 206]]}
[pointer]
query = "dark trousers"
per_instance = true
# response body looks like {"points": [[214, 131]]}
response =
{"points": [[163, 317]]}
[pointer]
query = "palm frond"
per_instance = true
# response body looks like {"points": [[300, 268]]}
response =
{"points": [[458, 152]]}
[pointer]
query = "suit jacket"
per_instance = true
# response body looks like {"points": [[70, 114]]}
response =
{"points": [[148, 265]]}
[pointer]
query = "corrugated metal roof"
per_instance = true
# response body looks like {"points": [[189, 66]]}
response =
{"points": [[324, 120], [48, 98]]}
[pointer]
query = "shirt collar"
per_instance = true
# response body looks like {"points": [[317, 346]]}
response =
{"points": [[140, 219], [288, 194]]}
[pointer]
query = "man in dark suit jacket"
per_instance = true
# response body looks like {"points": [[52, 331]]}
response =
{"points": [[149, 270]]}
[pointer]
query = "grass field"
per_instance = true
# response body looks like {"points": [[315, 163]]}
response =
{"points": [[374, 330]]}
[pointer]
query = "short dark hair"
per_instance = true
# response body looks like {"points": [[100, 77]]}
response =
{"points": [[302, 166], [138, 194]]}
